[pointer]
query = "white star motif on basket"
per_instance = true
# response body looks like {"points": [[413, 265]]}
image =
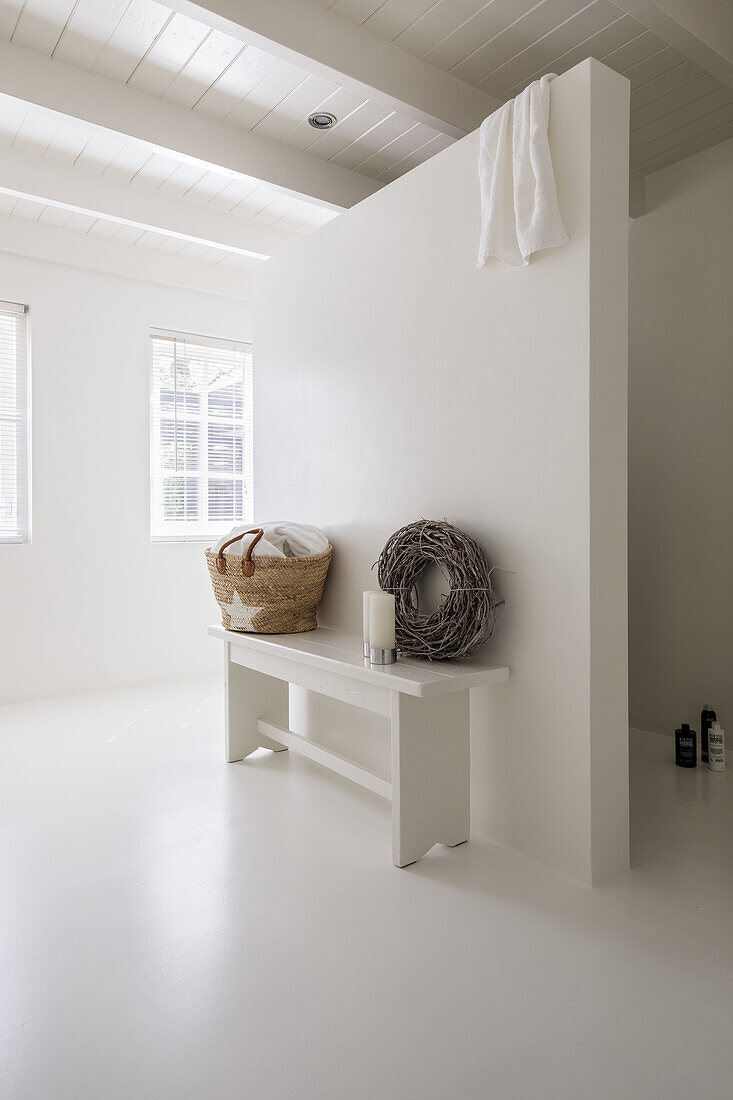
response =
{"points": [[240, 616]]}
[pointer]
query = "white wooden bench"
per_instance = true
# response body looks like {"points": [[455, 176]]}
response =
{"points": [[427, 704]]}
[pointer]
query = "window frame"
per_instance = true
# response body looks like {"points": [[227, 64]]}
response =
{"points": [[202, 530], [21, 418]]}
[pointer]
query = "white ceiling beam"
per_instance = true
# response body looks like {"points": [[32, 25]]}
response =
{"points": [[323, 43], [98, 101], [700, 29], [55, 244], [73, 188]]}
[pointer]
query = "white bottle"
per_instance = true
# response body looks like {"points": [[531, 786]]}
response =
{"points": [[716, 742]]}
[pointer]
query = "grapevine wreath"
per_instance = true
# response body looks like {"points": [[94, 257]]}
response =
{"points": [[465, 618]]}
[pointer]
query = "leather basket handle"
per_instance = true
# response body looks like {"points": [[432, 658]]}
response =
{"points": [[248, 566]]}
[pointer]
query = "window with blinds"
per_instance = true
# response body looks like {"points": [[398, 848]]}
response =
{"points": [[200, 435], [14, 424]]}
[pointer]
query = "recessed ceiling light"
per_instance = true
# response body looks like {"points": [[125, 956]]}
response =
{"points": [[322, 121]]}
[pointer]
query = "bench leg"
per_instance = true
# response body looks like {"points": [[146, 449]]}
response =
{"points": [[249, 696], [430, 774]]}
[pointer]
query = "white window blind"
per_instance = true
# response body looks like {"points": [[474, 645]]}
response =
{"points": [[14, 420], [200, 436]]}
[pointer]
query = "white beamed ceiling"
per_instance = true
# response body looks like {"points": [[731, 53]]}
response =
{"points": [[496, 47], [147, 46], [120, 157], [111, 229], [676, 107]]}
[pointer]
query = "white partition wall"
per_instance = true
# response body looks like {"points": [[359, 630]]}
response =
{"points": [[396, 381]]}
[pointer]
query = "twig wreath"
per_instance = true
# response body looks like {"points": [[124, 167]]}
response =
{"points": [[465, 618]]}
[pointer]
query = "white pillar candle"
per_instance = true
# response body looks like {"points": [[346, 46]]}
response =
{"points": [[366, 607], [381, 621]]}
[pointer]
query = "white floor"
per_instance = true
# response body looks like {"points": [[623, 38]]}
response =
{"points": [[175, 928]]}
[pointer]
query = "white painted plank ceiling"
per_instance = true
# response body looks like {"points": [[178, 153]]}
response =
{"points": [[498, 46], [166, 54], [36, 210], [139, 164], [502, 45], [112, 229], [142, 165]]}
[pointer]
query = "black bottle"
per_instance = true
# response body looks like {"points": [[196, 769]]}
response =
{"points": [[685, 747], [707, 718]]}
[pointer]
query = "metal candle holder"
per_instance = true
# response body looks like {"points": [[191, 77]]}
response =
{"points": [[382, 656]]}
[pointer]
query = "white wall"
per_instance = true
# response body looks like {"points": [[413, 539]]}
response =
{"points": [[396, 381], [681, 445], [91, 603]]}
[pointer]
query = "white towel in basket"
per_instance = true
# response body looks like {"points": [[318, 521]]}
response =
{"points": [[282, 539]]}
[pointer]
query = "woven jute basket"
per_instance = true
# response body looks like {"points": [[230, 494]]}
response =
{"points": [[267, 595]]}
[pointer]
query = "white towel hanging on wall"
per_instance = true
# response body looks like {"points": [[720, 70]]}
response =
{"points": [[519, 211]]}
